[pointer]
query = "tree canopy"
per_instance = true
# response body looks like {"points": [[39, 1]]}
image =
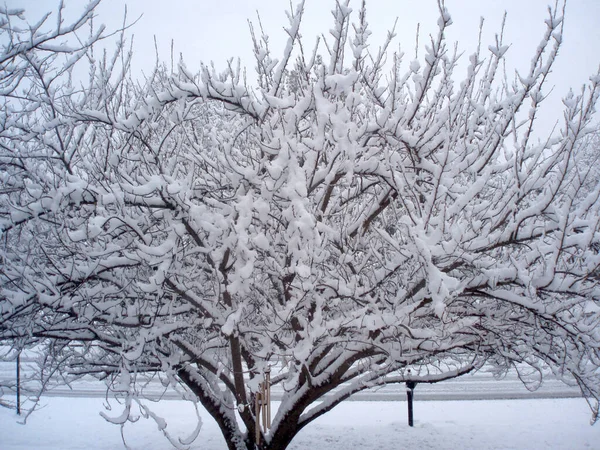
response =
{"points": [[356, 219]]}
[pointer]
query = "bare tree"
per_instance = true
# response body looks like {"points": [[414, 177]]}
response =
{"points": [[325, 231]]}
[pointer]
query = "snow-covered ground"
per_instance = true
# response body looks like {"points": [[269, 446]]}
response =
{"points": [[74, 423], [71, 420]]}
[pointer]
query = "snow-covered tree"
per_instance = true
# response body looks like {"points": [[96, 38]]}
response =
{"points": [[351, 221]]}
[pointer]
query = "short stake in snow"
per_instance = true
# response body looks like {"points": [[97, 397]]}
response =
{"points": [[410, 388], [19, 384]]}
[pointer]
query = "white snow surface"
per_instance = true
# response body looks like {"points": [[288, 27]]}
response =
{"points": [[75, 423]]}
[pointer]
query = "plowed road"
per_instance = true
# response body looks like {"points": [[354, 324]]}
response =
{"points": [[480, 386]]}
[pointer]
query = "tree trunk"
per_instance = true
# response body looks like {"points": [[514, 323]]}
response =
{"points": [[229, 429]]}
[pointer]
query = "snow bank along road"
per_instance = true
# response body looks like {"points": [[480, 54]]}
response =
{"points": [[480, 386]]}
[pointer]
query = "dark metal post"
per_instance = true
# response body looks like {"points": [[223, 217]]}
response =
{"points": [[19, 384], [410, 389]]}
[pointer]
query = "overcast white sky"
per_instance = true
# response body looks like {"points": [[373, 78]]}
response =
{"points": [[205, 30], [217, 29]]}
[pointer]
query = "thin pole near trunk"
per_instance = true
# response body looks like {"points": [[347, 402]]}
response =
{"points": [[268, 399], [262, 408]]}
